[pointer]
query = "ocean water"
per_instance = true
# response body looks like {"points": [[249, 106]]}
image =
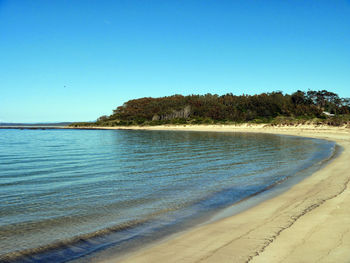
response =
{"points": [[68, 194]]}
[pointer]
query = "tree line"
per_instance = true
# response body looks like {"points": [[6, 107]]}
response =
{"points": [[212, 108]]}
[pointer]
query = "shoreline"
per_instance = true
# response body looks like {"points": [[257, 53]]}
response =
{"points": [[310, 222]]}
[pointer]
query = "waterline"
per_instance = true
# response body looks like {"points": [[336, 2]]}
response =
{"points": [[75, 185]]}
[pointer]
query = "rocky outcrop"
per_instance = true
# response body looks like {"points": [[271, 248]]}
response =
{"points": [[176, 114]]}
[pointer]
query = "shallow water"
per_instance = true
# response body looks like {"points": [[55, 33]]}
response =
{"points": [[68, 193]]}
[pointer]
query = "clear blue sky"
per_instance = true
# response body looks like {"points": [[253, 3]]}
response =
{"points": [[77, 60]]}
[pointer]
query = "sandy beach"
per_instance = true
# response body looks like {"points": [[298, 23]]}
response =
{"points": [[310, 222]]}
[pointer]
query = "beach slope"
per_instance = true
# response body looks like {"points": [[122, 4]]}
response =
{"points": [[308, 223]]}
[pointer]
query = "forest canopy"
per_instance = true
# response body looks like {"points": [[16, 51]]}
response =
{"points": [[229, 108]]}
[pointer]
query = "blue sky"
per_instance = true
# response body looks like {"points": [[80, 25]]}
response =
{"points": [[78, 60]]}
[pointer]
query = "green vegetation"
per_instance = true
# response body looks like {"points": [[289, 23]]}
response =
{"points": [[276, 108]]}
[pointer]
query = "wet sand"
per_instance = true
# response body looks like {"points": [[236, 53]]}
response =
{"points": [[308, 223]]}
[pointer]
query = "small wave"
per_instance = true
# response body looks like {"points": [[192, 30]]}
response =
{"points": [[85, 243]]}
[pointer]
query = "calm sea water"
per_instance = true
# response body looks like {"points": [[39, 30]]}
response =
{"points": [[68, 193]]}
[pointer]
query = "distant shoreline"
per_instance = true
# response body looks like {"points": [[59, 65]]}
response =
{"points": [[244, 127], [33, 127]]}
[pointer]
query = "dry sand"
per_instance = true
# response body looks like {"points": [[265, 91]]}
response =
{"points": [[308, 223]]}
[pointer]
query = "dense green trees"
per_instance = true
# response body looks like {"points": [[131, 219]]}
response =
{"points": [[210, 108]]}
